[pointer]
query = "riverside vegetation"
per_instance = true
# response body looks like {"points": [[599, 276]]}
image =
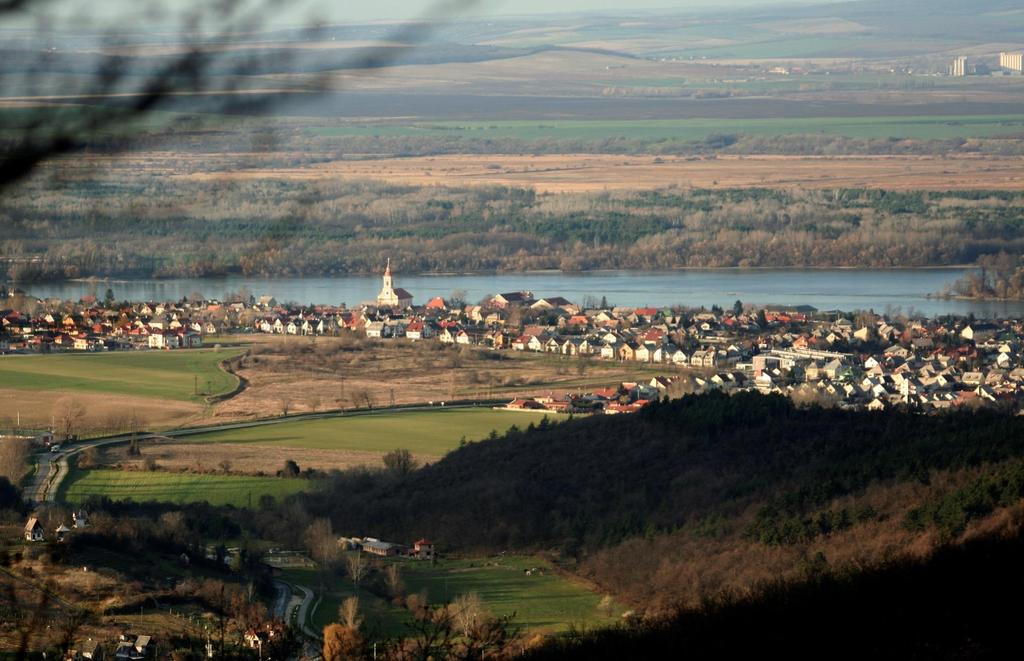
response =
{"points": [[258, 228]]}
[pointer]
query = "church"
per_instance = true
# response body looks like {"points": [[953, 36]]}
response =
{"points": [[390, 297]]}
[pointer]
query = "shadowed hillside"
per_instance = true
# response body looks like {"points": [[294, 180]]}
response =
{"points": [[959, 604]]}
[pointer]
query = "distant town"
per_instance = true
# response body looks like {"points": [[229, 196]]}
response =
{"points": [[864, 360]]}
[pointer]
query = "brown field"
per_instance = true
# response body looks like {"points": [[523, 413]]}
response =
{"points": [[596, 172], [301, 375], [332, 373], [104, 411]]}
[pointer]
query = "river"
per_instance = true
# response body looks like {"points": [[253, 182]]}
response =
{"points": [[905, 291]]}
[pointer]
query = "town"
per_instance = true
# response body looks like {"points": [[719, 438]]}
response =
{"points": [[856, 360]]}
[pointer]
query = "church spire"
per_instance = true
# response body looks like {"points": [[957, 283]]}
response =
{"points": [[387, 270]]}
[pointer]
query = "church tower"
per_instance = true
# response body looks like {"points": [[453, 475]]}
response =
{"points": [[390, 297], [389, 285]]}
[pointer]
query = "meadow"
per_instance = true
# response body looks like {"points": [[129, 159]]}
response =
{"points": [[542, 600], [432, 433], [173, 375], [539, 601], [141, 486]]}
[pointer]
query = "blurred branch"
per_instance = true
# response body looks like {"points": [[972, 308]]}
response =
{"points": [[52, 135]]}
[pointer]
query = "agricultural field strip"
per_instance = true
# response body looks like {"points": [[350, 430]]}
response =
{"points": [[237, 490], [570, 173], [47, 484], [921, 127], [171, 375], [430, 432]]}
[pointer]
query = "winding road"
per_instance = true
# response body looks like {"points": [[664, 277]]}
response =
{"points": [[53, 467]]}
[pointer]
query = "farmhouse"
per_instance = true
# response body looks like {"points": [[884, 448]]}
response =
{"points": [[383, 549], [130, 649], [423, 549], [33, 530]]}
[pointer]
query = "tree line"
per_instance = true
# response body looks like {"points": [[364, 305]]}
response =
{"points": [[152, 227]]}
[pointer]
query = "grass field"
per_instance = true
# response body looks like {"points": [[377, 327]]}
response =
{"points": [[542, 601], [422, 432], [921, 127], [142, 486], [161, 374]]}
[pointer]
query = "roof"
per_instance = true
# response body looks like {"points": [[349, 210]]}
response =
{"points": [[32, 523], [423, 542], [402, 294]]}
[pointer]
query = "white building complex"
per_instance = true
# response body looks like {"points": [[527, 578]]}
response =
{"points": [[1012, 61], [958, 69]]}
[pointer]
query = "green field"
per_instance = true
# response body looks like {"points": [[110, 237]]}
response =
{"points": [[921, 127], [162, 374], [422, 432], [543, 601], [141, 486]]}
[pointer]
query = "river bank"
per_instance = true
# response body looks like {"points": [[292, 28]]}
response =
{"points": [[892, 290]]}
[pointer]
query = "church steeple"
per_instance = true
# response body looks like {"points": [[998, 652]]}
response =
{"points": [[390, 297]]}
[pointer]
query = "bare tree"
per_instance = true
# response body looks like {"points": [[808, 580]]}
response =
{"points": [[321, 542], [13, 458], [348, 613], [393, 577], [467, 610], [68, 416], [357, 568], [400, 462]]}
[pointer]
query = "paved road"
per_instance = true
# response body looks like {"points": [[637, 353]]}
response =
{"points": [[282, 597], [53, 466], [305, 612]]}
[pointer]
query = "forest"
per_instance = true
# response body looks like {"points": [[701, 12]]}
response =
{"points": [[940, 607], [154, 226], [703, 496]]}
